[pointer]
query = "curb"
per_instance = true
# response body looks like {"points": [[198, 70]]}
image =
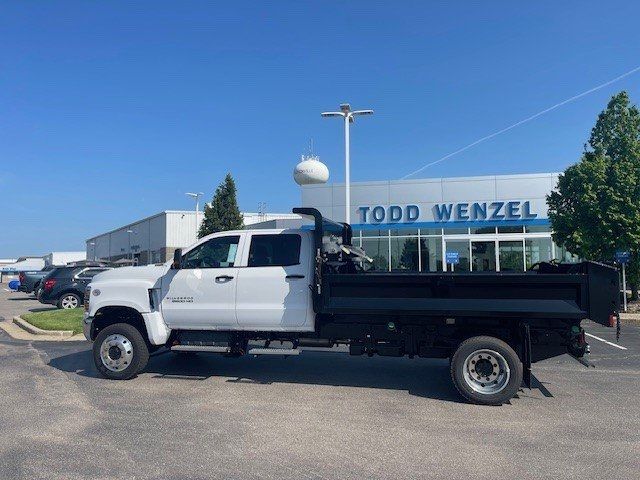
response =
{"points": [[630, 318], [38, 331]]}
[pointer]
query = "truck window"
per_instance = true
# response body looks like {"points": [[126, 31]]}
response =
{"points": [[216, 253], [277, 250]]}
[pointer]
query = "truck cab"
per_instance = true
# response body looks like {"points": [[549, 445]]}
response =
{"points": [[241, 280], [245, 280]]}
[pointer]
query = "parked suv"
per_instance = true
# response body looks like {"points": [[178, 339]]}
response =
{"points": [[64, 286], [30, 280]]}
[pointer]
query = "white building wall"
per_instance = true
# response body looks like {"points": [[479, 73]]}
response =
{"points": [[62, 258], [181, 231], [146, 234], [330, 198], [251, 218], [100, 247], [181, 228], [157, 232]]}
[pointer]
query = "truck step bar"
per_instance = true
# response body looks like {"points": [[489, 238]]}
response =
{"points": [[201, 348], [273, 351], [223, 349]]}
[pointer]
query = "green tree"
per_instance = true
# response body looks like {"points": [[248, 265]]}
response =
{"points": [[223, 213], [595, 209]]}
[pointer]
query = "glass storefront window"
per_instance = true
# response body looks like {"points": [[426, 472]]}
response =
{"points": [[483, 256], [455, 231], [404, 254], [378, 250], [400, 249], [511, 256], [462, 247], [510, 229], [404, 232], [537, 250], [430, 231], [482, 230], [375, 233], [564, 255], [431, 254], [537, 228]]}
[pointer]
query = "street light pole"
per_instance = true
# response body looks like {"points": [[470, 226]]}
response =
{"points": [[349, 117], [197, 197], [347, 169]]}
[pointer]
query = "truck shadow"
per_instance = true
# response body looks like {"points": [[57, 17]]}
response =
{"points": [[427, 378]]}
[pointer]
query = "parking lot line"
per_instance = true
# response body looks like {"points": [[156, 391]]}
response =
{"points": [[605, 341], [7, 290]]}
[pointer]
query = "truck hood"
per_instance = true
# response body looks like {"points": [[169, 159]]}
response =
{"points": [[148, 273]]}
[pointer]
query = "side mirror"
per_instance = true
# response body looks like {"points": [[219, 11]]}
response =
{"points": [[177, 259]]}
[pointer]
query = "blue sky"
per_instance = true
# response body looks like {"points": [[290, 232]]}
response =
{"points": [[110, 111]]}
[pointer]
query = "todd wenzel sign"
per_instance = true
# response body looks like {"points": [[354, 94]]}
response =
{"points": [[448, 212]]}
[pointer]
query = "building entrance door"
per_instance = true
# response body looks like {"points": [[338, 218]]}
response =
{"points": [[483, 256], [492, 253], [462, 248], [511, 256]]}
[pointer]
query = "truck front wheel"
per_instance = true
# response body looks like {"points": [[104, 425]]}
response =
{"points": [[120, 352], [486, 371]]}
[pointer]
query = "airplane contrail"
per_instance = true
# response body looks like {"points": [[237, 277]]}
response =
{"points": [[528, 119]]}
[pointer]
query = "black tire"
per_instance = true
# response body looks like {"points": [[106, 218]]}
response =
{"points": [[133, 365], [494, 355], [67, 299]]}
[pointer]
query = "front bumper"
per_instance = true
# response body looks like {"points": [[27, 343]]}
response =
{"points": [[86, 326]]}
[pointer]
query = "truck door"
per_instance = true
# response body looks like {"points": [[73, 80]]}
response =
{"points": [[273, 288], [202, 293]]}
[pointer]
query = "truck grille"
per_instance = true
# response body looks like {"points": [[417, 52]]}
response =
{"points": [[87, 297]]}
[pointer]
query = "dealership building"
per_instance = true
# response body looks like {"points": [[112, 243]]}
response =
{"points": [[488, 223], [462, 224]]}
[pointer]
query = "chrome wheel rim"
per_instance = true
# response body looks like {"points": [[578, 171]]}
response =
{"points": [[116, 352], [486, 372], [69, 301]]}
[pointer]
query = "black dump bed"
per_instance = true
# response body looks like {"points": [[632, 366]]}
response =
{"points": [[589, 291], [552, 291]]}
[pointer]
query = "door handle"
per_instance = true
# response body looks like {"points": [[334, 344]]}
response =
{"points": [[224, 277], [294, 276]]}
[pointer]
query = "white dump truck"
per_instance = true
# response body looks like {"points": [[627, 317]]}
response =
{"points": [[269, 292]]}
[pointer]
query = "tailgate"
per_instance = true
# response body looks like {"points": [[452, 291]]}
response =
{"points": [[603, 293]]}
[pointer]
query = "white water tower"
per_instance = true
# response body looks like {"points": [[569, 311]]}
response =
{"points": [[310, 171]]}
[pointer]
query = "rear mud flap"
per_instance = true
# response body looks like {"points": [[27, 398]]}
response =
{"points": [[526, 355]]}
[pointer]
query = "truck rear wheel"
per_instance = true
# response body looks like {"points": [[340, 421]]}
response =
{"points": [[120, 352], [486, 371]]}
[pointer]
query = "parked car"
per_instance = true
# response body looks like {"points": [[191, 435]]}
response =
{"points": [[30, 280], [64, 286]]}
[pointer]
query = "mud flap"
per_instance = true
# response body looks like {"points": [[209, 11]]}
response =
{"points": [[526, 355]]}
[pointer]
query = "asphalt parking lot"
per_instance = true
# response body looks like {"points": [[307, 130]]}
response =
{"points": [[319, 415]]}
